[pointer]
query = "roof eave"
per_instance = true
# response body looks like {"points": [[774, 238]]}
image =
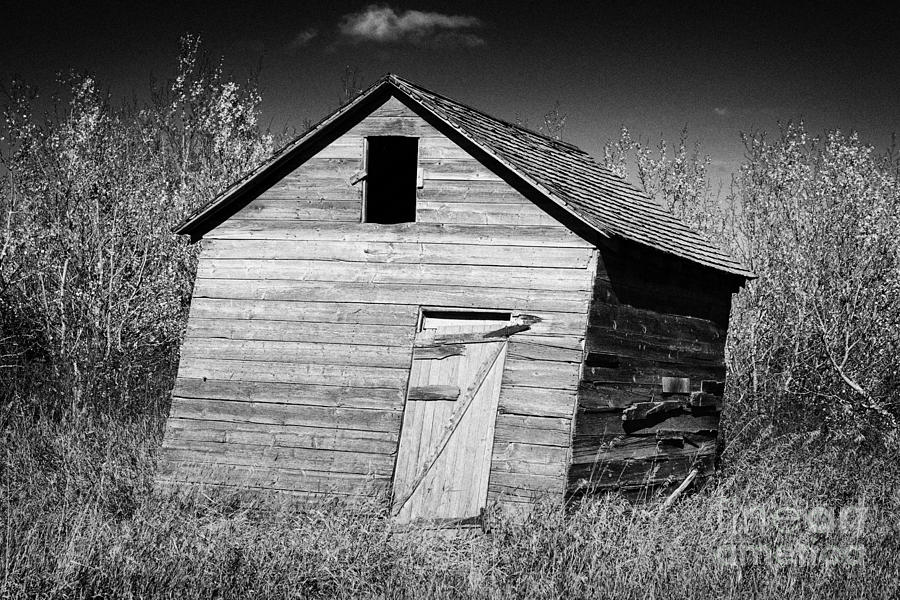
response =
{"points": [[197, 224], [517, 172], [194, 224]]}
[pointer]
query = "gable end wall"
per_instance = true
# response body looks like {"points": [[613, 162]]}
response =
{"points": [[296, 358]]}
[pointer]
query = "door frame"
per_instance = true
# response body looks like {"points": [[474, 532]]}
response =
{"points": [[517, 321]]}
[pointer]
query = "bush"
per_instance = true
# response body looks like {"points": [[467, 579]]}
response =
{"points": [[94, 287], [814, 340]]}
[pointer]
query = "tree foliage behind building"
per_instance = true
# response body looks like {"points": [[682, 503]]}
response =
{"points": [[813, 340], [94, 286]]}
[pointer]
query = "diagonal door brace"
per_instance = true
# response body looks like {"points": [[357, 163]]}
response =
{"points": [[455, 417]]}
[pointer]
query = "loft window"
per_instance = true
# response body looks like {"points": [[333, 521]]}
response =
{"points": [[391, 163]]}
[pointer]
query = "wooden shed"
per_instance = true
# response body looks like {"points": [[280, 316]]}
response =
{"points": [[419, 301]]}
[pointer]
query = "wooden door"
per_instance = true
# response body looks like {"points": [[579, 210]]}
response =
{"points": [[444, 456]]}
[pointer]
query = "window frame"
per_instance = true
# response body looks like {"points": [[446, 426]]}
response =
{"points": [[365, 188]]}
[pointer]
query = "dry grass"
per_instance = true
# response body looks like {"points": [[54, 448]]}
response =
{"points": [[80, 521]]}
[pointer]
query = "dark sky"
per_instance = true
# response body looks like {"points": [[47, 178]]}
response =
{"points": [[717, 69]]}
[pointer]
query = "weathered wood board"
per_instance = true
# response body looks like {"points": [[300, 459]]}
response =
{"points": [[645, 326], [305, 368], [300, 340], [444, 455]]}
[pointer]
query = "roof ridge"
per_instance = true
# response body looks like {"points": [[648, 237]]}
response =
{"points": [[562, 172], [704, 246], [284, 149], [568, 145]]}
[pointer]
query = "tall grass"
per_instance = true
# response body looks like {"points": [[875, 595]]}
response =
{"points": [[94, 292], [80, 520]]}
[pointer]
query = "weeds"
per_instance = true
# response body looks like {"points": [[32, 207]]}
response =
{"points": [[797, 517], [94, 292]]}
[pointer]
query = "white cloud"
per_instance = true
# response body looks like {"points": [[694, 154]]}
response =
{"points": [[383, 24], [303, 38], [720, 111]]}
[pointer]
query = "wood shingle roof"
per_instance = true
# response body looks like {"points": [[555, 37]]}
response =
{"points": [[565, 174]]}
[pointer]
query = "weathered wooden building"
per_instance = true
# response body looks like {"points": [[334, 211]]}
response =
{"points": [[420, 300]]}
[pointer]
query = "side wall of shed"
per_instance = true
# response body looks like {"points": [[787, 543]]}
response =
{"points": [[295, 364], [651, 316]]}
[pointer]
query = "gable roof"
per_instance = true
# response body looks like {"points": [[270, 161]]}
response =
{"points": [[563, 173]]}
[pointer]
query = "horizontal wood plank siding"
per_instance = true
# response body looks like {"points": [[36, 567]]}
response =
{"points": [[529, 236], [533, 278], [298, 346], [400, 253], [668, 319], [491, 295], [289, 393]]}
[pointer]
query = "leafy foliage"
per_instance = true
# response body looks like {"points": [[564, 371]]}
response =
{"points": [[813, 340], [679, 182], [554, 123], [93, 285]]}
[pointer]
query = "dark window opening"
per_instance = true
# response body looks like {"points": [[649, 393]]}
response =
{"points": [[391, 164]]}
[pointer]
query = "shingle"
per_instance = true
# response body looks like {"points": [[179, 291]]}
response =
{"points": [[574, 179], [563, 172]]}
